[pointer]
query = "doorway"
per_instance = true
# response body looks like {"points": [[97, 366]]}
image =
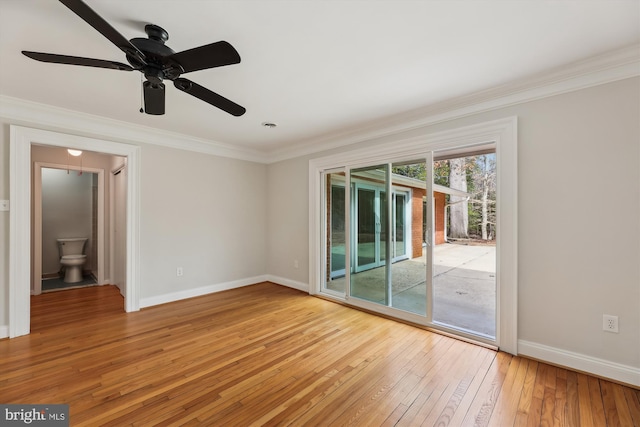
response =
{"points": [[370, 227], [20, 247], [61, 211]]}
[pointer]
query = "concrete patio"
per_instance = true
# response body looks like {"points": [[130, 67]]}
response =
{"points": [[464, 286]]}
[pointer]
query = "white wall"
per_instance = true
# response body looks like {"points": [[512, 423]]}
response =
{"points": [[579, 228], [288, 226], [4, 230], [203, 213]]}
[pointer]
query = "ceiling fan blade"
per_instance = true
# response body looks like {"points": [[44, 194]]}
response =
{"points": [[81, 9], [76, 60], [153, 98], [206, 95], [208, 56]]}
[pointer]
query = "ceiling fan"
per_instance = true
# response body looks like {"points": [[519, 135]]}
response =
{"points": [[155, 60]]}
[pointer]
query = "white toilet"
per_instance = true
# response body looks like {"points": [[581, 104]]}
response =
{"points": [[72, 258]]}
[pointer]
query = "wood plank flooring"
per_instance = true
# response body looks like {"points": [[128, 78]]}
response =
{"points": [[269, 355]]}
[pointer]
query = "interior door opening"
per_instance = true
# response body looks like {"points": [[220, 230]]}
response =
{"points": [[22, 140], [67, 204]]}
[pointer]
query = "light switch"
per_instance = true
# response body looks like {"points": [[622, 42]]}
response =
{"points": [[4, 205]]}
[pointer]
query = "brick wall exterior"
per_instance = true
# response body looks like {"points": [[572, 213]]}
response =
{"points": [[440, 201], [417, 233]]}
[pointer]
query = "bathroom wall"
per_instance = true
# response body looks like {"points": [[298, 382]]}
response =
{"points": [[67, 211]]}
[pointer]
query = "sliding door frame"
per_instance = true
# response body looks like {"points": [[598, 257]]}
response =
{"points": [[499, 133]]}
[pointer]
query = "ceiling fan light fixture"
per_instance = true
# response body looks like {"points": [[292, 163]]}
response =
{"points": [[74, 153]]}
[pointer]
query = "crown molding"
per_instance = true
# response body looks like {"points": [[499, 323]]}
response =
{"points": [[32, 114], [614, 65], [611, 66]]}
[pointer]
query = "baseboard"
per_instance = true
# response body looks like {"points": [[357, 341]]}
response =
{"points": [[304, 287], [203, 290], [580, 362], [4, 331]]}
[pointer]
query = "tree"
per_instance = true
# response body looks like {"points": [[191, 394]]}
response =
{"points": [[458, 206], [414, 170], [484, 180], [441, 172], [476, 175], [484, 194]]}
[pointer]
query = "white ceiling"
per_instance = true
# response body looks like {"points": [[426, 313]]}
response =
{"points": [[316, 68]]}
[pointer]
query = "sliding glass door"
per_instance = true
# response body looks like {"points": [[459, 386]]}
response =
{"points": [[369, 235], [408, 278], [379, 257], [464, 252], [370, 227], [415, 244], [335, 233], [401, 242]]}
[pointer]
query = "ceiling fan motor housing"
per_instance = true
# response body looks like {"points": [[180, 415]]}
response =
{"points": [[157, 67]]}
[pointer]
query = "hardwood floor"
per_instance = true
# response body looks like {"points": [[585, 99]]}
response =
{"points": [[269, 355]]}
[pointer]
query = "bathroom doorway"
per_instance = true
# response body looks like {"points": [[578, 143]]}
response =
{"points": [[68, 203], [22, 245], [69, 211]]}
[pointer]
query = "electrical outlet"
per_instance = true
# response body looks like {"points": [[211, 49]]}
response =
{"points": [[295, 264], [609, 323], [179, 271]]}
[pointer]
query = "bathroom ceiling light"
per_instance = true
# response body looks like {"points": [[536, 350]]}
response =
{"points": [[74, 153]]}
